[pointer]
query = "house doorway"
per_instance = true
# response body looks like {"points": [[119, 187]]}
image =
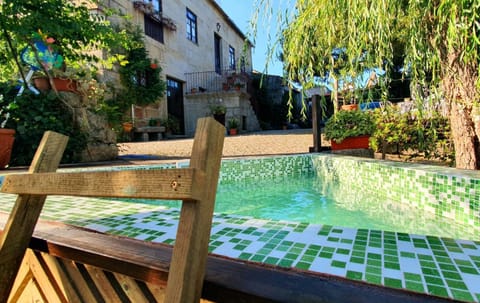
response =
{"points": [[217, 45], [175, 104]]}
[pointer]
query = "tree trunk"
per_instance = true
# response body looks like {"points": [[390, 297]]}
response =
{"points": [[461, 92], [464, 138]]}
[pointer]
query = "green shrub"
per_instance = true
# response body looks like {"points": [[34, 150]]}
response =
{"points": [[349, 123], [31, 115], [427, 136]]}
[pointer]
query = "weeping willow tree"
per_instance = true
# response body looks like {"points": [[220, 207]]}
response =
{"points": [[438, 41]]}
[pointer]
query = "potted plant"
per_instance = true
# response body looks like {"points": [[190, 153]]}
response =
{"points": [[232, 126], [218, 111], [350, 129], [7, 136]]}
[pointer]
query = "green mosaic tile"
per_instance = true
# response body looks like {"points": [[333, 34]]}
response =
{"points": [[461, 295], [303, 265], [285, 263], [390, 282], [412, 277], [354, 275], [245, 256], [456, 284], [339, 264], [391, 265], [258, 258], [374, 270], [433, 280], [437, 290], [418, 287], [343, 251], [272, 260], [376, 279], [358, 260]]}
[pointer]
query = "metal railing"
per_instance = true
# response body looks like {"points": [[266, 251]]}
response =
{"points": [[212, 81]]}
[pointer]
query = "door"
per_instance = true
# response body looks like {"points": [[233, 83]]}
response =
{"points": [[218, 53], [175, 104]]}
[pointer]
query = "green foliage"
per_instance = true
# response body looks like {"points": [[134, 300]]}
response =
{"points": [[349, 123], [217, 109], [140, 77], [31, 116], [232, 123], [413, 134], [76, 32]]}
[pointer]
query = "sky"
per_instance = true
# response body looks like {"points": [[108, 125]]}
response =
{"points": [[241, 14]]}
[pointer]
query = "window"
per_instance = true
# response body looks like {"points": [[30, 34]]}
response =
{"points": [[154, 28], [231, 57], [191, 26]]}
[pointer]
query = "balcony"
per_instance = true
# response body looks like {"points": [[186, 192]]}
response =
{"points": [[213, 82]]}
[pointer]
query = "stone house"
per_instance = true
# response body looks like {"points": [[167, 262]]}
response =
{"points": [[205, 58]]}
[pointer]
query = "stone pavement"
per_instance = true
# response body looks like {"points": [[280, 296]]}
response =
{"points": [[276, 142]]}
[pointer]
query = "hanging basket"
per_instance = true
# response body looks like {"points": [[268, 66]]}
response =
{"points": [[7, 136]]}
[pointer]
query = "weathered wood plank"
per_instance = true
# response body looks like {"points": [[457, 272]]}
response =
{"points": [[25, 213], [171, 184], [187, 269]]}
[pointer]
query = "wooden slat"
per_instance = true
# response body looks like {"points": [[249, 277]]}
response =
{"points": [[47, 286], [23, 278], [24, 215], [77, 279], [103, 284], [187, 269], [158, 291], [62, 280], [171, 184], [131, 288]]}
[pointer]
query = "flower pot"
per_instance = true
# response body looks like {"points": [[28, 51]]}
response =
{"points": [[67, 85], [232, 131], [127, 126], [220, 118], [41, 83], [7, 136], [351, 143], [349, 107]]}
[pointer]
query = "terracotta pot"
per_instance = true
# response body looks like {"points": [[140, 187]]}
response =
{"points": [[66, 85], [127, 126], [349, 107], [61, 84], [351, 143], [41, 83], [7, 136], [232, 131]]}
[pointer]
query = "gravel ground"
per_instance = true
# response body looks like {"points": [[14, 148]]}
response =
{"points": [[259, 143]]}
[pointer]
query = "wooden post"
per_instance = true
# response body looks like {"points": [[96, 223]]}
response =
{"points": [[187, 269], [24, 215], [316, 127]]}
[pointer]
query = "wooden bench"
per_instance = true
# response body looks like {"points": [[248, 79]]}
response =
{"points": [[150, 133], [194, 186]]}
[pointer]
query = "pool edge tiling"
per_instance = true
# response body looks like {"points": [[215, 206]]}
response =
{"points": [[438, 266]]}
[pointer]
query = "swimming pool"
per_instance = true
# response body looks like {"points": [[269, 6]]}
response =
{"points": [[349, 192], [439, 266]]}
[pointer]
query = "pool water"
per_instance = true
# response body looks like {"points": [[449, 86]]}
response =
{"points": [[303, 198]]}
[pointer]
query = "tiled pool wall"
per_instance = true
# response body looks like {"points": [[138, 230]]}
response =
{"points": [[439, 191]]}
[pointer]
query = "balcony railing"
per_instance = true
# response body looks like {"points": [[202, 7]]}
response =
{"points": [[227, 80]]}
